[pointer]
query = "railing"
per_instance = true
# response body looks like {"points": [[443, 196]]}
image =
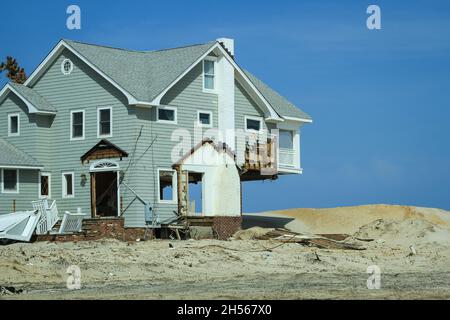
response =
{"points": [[261, 154], [49, 216], [286, 157]]}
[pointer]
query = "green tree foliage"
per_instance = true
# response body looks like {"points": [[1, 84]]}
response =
{"points": [[15, 73]]}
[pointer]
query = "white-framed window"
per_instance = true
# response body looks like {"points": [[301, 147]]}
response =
{"points": [[204, 119], [45, 185], [10, 180], [68, 185], [209, 74], [253, 124], [286, 139], [167, 182], [165, 114], [104, 122], [77, 121], [13, 124], [66, 67]]}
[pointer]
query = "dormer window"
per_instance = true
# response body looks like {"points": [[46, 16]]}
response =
{"points": [[209, 75]]}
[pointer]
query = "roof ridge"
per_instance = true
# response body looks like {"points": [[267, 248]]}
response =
{"points": [[137, 51]]}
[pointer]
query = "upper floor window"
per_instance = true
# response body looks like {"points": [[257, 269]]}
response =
{"points": [[104, 124], [209, 74], [166, 114], [10, 181], [13, 124], [204, 118], [286, 139], [66, 66], [253, 123], [77, 125]]}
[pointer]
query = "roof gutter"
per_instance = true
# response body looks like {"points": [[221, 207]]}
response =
{"points": [[298, 119], [21, 167]]}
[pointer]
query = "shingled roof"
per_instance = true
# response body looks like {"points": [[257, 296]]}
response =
{"points": [[145, 74], [11, 156], [33, 97], [281, 105]]}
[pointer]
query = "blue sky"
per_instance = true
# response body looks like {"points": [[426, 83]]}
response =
{"points": [[380, 99]]}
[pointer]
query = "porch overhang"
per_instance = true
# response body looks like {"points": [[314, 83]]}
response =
{"points": [[104, 149]]}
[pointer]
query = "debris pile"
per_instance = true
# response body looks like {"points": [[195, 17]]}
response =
{"points": [[334, 241]]}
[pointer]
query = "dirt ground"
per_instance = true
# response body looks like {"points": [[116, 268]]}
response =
{"points": [[412, 252]]}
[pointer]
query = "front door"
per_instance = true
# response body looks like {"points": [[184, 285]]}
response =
{"points": [[104, 194]]}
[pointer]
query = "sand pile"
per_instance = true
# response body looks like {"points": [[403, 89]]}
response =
{"points": [[405, 232], [349, 219]]}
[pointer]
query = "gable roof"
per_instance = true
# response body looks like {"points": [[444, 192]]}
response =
{"points": [[102, 146], [145, 76], [13, 157], [281, 105], [34, 101]]}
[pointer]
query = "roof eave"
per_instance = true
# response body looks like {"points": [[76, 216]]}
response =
{"points": [[305, 120], [24, 167], [31, 107]]}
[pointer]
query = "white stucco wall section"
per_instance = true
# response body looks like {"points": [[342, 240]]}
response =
{"points": [[221, 182], [225, 74]]}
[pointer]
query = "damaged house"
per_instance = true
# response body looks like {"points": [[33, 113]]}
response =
{"points": [[146, 139]]}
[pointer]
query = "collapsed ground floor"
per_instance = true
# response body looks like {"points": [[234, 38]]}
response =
{"points": [[202, 191]]}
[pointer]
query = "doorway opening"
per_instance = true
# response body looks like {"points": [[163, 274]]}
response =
{"points": [[195, 193], [105, 189]]}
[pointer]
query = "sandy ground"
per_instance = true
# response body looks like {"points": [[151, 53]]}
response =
{"points": [[246, 269]]}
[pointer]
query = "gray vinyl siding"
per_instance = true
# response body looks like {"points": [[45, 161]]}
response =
{"points": [[187, 97], [47, 138], [28, 191], [84, 90], [29, 140], [28, 126], [244, 106]]}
